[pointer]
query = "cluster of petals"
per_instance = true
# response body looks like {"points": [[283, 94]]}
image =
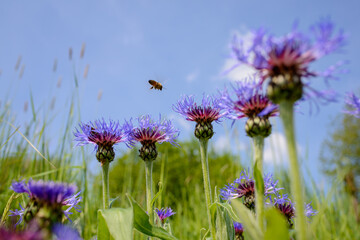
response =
{"points": [[249, 101], [48, 193], [208, 111], [294, 51], [353, 103], [164, 213], [149, 130], [286, 206], [244, 185], [103, 133]]}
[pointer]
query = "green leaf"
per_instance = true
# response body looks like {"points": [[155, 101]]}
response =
{"points": [[247, 218], [115, 224], [259, 181], [157, 195], [142, 223], [224, 224], [276, 225]]}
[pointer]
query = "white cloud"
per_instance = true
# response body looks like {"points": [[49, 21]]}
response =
{"points": [[242, 71], [239, 73], [192, 76], [184, 124], [275, 151]]}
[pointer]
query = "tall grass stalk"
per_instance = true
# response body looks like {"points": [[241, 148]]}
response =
{"points": [[207, 186], [259, 193], [287, 117]]}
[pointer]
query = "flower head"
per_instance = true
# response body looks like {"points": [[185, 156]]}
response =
{"points": [[244, 187], [286, 59], [148, 132], [239, 230], [204, 114], [250, 102], [46, 195], [164, 213], [286, 207], [354, 103], [104, 135]]}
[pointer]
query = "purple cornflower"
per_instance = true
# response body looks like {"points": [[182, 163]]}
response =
{"points": [[354, 103], [65, 232], [104, 135], [286, 59], [148, 132], [250, 102], [46, 195], [239, 230], [244, 187], [164, 213], [204, 114], [284, 204]]}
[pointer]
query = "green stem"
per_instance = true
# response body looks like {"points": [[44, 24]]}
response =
{"points": [[149, 191], [287, 116], [259, 193], [207, 187], [105, 182]]}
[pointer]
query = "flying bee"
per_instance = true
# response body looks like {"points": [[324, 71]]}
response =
{"points": [[156, 85]]}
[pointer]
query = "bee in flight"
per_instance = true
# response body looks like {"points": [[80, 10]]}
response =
{"points": [[156, 85]]}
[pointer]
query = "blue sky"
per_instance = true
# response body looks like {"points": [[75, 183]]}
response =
{"points": [[183, 44]]}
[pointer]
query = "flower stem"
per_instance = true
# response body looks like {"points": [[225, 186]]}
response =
{"points": [[259, 193], [207, 187], [149, 191], [287, 116], [105, 182]]}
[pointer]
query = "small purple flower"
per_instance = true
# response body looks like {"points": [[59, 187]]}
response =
{"points": [[309, 210], [65, 232], [250, 102], [204, 114], [284, 204], [104, 135], [52, 195], [286, 59], [239, 230], [148, 132], [244, 187], [164, 213], [354, 104]]}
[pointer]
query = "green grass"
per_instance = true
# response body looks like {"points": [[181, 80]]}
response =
{"points": [[25, 153]]}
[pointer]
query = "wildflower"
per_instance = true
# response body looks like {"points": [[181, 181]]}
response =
{"points": [[203, 114], [150, 132], [354, 103], [286, 59], [65, 232], [244, 187], [286, 207], [46, 200], [239, 230], [250, 102], [104, 135], [164, 213]]}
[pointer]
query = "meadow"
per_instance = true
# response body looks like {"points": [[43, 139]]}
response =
{"points": [[174, 175]]}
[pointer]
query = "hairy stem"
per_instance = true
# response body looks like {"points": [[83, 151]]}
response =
{"points": [[207, 187], [105, 183], [287, 116], [259, 193], [149, 190]]}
